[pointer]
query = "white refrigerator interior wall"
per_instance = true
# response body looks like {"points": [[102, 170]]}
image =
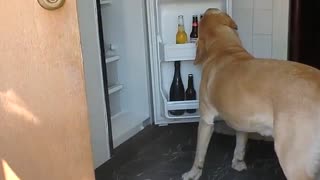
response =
{"points": [[88, 25]]}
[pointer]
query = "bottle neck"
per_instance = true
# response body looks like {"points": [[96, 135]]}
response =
{"points": [[195, 28], [195, 24], [180, 23], [190, 82], [177, 69], [180, 28]]}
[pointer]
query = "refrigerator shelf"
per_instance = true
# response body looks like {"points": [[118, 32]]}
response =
{"points": [[177, 52], [177, 105], [188, 104], [115, 88], [105, 2], [112, 59]]}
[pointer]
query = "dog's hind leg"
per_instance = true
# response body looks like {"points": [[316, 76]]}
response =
{"points": [[297, 147], [293, 163], [238, 162], [205, 131]]}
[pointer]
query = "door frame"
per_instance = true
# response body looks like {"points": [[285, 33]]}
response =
{"points": [[280, 29], [294, 45]]}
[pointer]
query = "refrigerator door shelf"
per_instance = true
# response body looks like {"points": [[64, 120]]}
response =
{"points": [[177, 52], [105, 2], [188, 104], [114, 88], [112, 59], [177, 105]]}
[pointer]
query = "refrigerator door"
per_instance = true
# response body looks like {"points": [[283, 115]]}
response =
{"points": [[125, 41], [99, 129], [162, 25]]}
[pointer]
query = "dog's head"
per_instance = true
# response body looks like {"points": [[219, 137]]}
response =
{"points": [[212, 19]]}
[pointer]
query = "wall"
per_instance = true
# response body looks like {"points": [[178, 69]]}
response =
{"points": [[44, 128], [263, 26], [93, 80]]}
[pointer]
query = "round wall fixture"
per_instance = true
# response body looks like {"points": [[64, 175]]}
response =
{"points": [[51, 4]]}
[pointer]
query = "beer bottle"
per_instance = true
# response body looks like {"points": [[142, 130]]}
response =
{"points": [[194, 32], [191, 92], [181, 36]]}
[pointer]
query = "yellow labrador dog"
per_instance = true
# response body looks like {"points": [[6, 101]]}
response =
{"points": [[271, 97]]}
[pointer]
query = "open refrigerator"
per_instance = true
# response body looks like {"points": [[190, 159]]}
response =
{"points": [[140, 50]]}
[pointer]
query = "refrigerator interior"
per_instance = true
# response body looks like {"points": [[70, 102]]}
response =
{"points": [[162, 25], [139, 40], [125, 41]]}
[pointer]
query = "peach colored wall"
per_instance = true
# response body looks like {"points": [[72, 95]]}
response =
{"points": [[44, 133]]}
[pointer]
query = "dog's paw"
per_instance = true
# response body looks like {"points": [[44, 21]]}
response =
{"points": [[193, 174], [239, 165]]}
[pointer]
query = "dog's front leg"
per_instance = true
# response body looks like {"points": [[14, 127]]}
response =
{"points": [[205, 131], [238, 162]]}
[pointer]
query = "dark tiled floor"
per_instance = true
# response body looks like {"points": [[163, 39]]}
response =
{"points": [[172, 151]]}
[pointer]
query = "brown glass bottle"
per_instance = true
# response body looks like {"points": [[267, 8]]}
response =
{"points": [[177, 89], [194, 32], [191, 92]]}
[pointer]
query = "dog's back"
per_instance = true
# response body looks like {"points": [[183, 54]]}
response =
{"points": [[276, 98]]}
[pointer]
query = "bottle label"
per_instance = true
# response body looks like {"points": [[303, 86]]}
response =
{"points": [[194, 24], [193, 40]]}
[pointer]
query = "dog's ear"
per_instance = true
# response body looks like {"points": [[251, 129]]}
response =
{"points": [[227, 20], [201, 52]]}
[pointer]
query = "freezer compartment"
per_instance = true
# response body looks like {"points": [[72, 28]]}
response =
{"points": [[177, 52]]}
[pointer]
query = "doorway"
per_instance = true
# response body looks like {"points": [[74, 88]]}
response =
{"points": [[304, 37]]}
